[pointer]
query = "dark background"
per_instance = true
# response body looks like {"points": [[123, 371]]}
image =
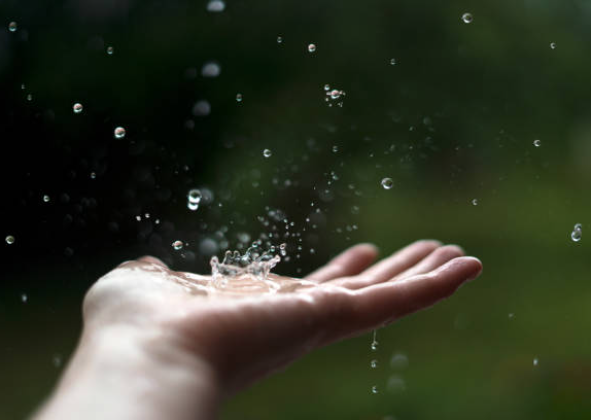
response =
{"points": [[454, 120]]}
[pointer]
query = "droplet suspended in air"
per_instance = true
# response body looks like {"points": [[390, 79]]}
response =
{"points": [[178, 245], [553, 45], [29, 97], [373, 364], [577, 233], [93, 175], [537, 143], [211, 69], [312, 48], [110, 50], [267, 153], [374, 389], [10, 239], [24, 298], [392, 61], [12, 26], [475, 202], [327, 87], [335, 94], [46, 199], [279, 40], [78, 108], [536, 361], [387, 183], [120, 132], [467, 17], [239, 97], [194, 196], [216, 6]]}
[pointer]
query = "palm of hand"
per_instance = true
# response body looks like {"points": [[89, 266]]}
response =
{"points": [[245, 338]]}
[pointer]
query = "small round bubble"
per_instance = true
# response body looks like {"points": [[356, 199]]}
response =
{"points": [[77, 108], [110, 50], [194, 196], [537, 143], [178, 245], [387, 183], [46, 199], [392, 61], [553, 45], [475, 202], [267, 153], [238, 97], [12, 26], [312, 48], [120, 132], [10, 239], [279, 40], [467, 17]]}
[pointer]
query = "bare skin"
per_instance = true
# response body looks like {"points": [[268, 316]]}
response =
{"points": [[154, 347]]}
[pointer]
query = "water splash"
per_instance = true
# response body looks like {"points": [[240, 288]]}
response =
{"points": [[245, 273]]}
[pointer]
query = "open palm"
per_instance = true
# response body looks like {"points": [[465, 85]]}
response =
{"points": [[249, 336]]}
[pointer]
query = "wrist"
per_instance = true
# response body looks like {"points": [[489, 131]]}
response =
{"points": [[128, 373]]}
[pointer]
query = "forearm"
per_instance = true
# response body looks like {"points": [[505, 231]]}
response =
{"points": [[124, 374]]}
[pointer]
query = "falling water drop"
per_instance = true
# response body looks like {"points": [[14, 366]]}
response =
{"points": [[475, 202], [467, 17], [267, 153], [10, 239], [387, 183], [120, 132], [374, 342], [373, 364], [216, 6], [46, 199], [312, 48], [537, 143], [577, 233], [374, 389], [110, 50], [553, 45], [279, 39], [239, 97], [24, 298], [392, 61], [536, 361], [178, 245], [12, 26], [77, 108]]}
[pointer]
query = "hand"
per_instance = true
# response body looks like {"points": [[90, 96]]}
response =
{"points": [[160, 344], [246, 338]]}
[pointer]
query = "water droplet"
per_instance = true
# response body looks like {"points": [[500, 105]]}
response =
{"points": [[24, 298], [194, 196], [29, 97], [373, 364], [536, 361], [374, 341], [475, 202], [178, 245], [12, 26], [211, 69], [216, 6], [387, 183], [355, 210], [537, 143], [110, 50], [577, 233], [393, 61], [335, 149], [553, 45], [467, 17], [120, 132], [10, 239], [46, 199], [93, 175], [267, 153], [312, 48], [77, 108], [239, 97], [374, 389], [279, 40], [335, 94]]}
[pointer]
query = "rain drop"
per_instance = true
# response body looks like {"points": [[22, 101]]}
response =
{"points": [[216, 6], [178, 245], [110, 50], [77, 108], [374, 389], [279, 40], [312, 48], [577, 233], [467, 17], [194, 196], [475, 202], [537, 143], [373, 364], [267, 153], [392, 61], [239, 97], [120, 132], [387, 183], [211, 69], [553, 45], [12, 26], [536, 361], [10, 239], [46, 199], [24, 298]]}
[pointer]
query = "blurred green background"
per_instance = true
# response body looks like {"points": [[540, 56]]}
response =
{"points": [[453, 121]]}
